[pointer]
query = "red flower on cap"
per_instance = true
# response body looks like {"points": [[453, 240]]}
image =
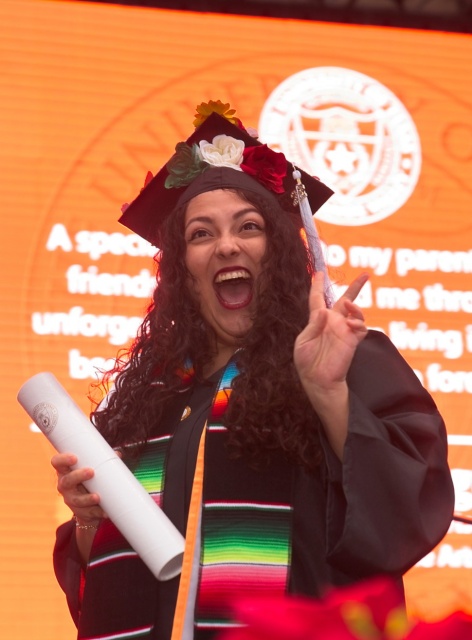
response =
{"points": [[265, 165]]}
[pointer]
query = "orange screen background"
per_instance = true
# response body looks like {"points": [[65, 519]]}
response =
{"points": [[92, 96]]}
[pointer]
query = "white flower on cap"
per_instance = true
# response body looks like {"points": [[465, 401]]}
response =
{"points": [[223, 151]]}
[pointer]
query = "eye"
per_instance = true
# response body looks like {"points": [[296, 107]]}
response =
{"points": [[197, 234], [251, 225]]}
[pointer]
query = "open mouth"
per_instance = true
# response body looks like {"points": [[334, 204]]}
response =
{"points": [[233, 288]]}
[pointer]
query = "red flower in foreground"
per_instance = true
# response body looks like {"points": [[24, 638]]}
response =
{"points": [[286, 619], [457, 626], [372, 610], [267, 166]]}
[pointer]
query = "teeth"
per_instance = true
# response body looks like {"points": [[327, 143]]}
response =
{"points": [[231, 275]]}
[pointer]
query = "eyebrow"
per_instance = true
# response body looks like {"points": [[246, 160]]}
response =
{"points": [[236, 216]]}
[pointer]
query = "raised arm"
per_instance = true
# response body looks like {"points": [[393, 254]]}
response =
{"points": [[323, 353]]}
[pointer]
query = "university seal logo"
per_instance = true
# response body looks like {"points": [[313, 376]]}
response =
{"points": [[45, 415], [350, 131]]}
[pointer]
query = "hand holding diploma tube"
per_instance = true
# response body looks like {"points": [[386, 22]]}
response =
{"points": [[133, 511]]}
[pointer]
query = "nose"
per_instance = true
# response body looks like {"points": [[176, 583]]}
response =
{"points": [[227, 245]]}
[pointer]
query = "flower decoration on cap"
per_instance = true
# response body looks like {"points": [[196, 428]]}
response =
{"points": [[222, 148], [263, 164], [184, 166], [205, 109], [223, 151], [266, 166]]}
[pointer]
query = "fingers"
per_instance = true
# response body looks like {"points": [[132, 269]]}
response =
{"points": [[317, 292], [63, 462], [314, 328], [70, 485], [355, 287], [83, 504], [73, 480], [357, 325], [316, 299], [352, 310], [345, 304]]}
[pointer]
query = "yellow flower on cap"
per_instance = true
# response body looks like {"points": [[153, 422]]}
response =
{"points": [[205, 109]]}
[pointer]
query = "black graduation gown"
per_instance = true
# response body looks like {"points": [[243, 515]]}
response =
{"points": [[378, 512]]}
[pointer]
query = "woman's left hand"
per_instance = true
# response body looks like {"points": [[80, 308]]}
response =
{"points": [[325, 348]]}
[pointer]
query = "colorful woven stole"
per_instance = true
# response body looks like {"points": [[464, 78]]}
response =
{"points": [[246, 525], [120, 591], [245, 545]]}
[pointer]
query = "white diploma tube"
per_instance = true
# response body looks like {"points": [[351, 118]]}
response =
{"points": [[133, 511]]}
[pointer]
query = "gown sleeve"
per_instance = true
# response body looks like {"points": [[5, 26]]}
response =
{"points": [[392, 499], [67, 567]]}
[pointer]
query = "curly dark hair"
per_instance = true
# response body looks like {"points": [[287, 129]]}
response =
{"points": [[268, 408]]}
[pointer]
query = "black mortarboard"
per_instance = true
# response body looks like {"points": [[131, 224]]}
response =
{"points": [[156, 201]]}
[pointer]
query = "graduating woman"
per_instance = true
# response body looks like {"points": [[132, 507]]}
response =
{"points": [[294, 449]]}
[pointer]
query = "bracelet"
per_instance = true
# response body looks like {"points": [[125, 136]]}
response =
{"points": [[84, 526]]}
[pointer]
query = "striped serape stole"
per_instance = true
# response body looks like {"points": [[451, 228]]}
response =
{"points": [[246, 525], [151, 467], [114, 566]]}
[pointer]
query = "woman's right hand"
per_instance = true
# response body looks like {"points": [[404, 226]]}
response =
{"points": [[84, 505]]}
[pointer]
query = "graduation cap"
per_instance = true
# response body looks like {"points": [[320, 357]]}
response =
{"points": [[219, 154]]}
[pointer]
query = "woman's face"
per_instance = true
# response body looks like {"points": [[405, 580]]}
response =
{"points": [[225, 242]]}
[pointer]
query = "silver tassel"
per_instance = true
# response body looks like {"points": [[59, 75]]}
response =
{"points": [[313, 239]]}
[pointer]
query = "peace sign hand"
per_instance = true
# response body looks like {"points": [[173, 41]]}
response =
{"points": [[324, 350]]}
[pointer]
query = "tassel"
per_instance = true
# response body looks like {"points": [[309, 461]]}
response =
{"points": [[313, 239]]}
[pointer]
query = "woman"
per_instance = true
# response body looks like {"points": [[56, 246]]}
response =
{"points": [[294, 449]]}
